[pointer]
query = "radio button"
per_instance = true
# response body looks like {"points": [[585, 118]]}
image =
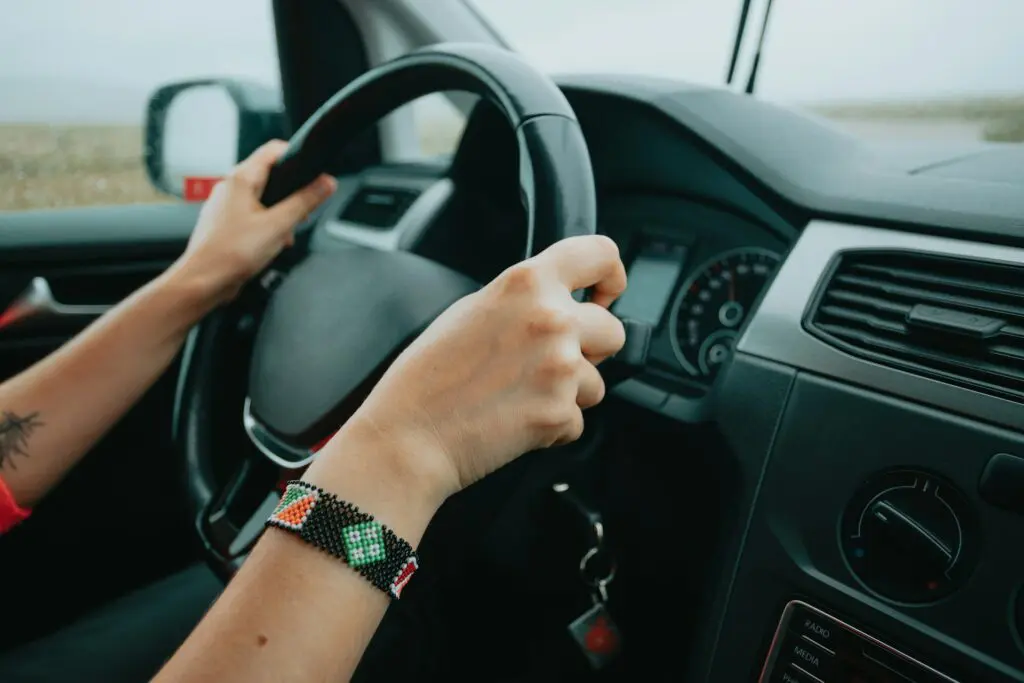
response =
{"points": [[818, 628], [786, 674], [806, 655]]}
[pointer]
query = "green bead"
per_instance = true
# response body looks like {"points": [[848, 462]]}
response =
{"points": [[364, 543]]}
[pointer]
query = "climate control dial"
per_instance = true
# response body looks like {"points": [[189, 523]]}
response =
{"points": [[910, 536]]}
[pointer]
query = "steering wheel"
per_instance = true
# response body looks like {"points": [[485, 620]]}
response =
{"points": [[338, 317]]}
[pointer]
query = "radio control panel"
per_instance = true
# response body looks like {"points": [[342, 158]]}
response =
{"points": [[811, 646]]}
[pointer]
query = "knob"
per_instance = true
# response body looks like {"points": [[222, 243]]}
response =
{"points": [[910, 536]]}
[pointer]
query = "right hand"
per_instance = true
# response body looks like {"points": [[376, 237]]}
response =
{"points": [[505, 370], [236, 236]]}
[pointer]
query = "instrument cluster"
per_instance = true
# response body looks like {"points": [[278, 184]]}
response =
{"points": [[695, 274]]}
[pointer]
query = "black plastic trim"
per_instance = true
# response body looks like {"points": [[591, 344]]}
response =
{"points": [[799, 162]]}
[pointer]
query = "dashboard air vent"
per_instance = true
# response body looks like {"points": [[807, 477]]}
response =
{"points": [[955, 320], [378, 207]]}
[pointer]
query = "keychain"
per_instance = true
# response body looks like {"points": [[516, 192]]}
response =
{"points": [[594, 631]]}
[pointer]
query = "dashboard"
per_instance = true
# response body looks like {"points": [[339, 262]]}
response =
{"points": [[696, 272], [849, 319]]}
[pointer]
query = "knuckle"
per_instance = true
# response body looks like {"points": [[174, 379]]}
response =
{"points": [[558, 364], [521, 278], [573, 429], [240, 177], [546, 321], [606, 247], [553, 417]]}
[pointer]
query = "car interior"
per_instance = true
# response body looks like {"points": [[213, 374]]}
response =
{"points": [[809, 467]]}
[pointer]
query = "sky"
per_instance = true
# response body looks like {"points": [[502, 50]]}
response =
{"points": [[91, 59], [814, 49]]}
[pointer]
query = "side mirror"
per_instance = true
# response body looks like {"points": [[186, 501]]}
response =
{"points": [[196, 131]]}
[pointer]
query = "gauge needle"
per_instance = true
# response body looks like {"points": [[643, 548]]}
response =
{"points": [[732, 285]]}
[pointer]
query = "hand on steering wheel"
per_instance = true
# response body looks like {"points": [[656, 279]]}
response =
{"points": [[236, 235], [503, 371], [499, 371]]}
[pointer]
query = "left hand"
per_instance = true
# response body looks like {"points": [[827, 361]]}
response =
{"points": [[236, 236]]}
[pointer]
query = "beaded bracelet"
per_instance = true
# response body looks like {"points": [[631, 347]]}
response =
{"points": [[340, 529]]}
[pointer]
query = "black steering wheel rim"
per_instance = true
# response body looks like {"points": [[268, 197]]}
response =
{"points": [[557, 189]]}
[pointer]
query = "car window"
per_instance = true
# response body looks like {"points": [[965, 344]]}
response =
{"points": [[75, 78], [438, 125]]}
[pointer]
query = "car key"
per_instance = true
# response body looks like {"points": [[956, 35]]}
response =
{"points": [[595, 631]]}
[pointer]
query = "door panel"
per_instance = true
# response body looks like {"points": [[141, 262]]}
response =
{"points": [[117, 522]]}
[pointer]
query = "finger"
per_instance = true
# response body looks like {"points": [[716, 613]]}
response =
{"points": [[592, 389], [255, 169], [297, 206], [573, 429], [588, 261], [601, 333]]}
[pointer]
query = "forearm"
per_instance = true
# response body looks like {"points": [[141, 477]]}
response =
{"points": [[57, 409], [262, 627]]}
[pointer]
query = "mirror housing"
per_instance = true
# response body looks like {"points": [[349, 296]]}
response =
{"points": [[197, 130]]}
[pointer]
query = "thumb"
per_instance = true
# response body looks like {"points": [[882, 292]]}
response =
{"points": [[298, 205]]}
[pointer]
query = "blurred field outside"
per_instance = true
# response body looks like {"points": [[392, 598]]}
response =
{"points": [[55, 166], [993, 119], [44, 166]]}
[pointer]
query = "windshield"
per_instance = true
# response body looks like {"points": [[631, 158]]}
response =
{"points": [[903, 70]]}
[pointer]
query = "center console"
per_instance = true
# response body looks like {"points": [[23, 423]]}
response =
{"points": [[880, 527], [872, 548]]}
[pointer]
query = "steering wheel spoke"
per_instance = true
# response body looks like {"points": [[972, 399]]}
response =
{"points": [[233, 521]]}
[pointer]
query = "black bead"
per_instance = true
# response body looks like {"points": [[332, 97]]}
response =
{"points": [[322, 529]]}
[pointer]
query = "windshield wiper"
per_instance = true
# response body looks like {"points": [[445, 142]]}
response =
{"points": [[740, 31], [760, 44]]}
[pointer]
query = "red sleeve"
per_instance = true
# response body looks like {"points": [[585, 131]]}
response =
{"points": [[10, 512]]}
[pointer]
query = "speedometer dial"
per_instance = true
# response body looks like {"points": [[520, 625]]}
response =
{"points": [[712, 305]]}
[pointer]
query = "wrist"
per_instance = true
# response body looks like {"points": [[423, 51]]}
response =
{"points": [[200, 288], [385, 473]]}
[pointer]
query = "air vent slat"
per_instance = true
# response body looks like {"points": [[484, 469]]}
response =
{"points": [[955, 320], [974, 367], [925, 296], [1011, 331], [873, 303], [1012, 353], [951, 284], [864, 319]]}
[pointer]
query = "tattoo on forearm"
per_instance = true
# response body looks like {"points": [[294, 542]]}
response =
{"points": [[14, 433]]}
